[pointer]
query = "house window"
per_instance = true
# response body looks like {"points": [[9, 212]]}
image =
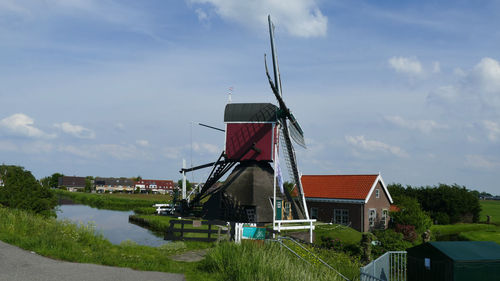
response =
{"points": [[377, 193], [385, 214], [371, 217], [314, 213], [341, 216]]}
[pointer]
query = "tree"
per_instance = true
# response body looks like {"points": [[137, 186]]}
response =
{"points": [[54, 180], [89, 184], [22, 191], [410, 213], [445, 203], [189, 185]]}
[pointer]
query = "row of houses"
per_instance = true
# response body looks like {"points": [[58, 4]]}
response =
{"points": [[102, 185]]}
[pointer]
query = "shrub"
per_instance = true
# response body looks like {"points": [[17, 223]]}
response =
{"points": [[22, 191], [389, 241], [408, 231], [441, 218], [410, 213], [331, 243]]}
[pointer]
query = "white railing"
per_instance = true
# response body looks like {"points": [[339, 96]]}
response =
{"points": [[391, 266], [278, 226]]}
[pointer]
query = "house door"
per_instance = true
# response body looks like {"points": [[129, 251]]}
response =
{"points": [[279, 207]]}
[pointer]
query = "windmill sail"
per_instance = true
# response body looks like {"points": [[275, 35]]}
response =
{"points": [[290, 130]]}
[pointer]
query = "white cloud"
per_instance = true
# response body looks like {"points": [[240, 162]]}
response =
{"points": [[478, 88], [143, 143], [409, 66], [172, 152], [116, 151], [23, 125], [206, 148], [480, 161], [436, 67], [76, 130], [300, 18], [78, 151], [492, 128], [373, 145], [202, 15], [424, 126]]}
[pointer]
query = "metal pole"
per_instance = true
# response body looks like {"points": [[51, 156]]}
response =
{"points": [[274, 189], [183, 179]]}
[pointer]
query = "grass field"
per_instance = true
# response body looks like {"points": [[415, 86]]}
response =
{"points": [[114, 201], [345, 234], [491, 208], [475, 231]]}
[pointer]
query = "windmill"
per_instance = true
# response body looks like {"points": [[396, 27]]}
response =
{"points": [[253, 134]]}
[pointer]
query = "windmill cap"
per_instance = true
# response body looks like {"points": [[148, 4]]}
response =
{"points": [[250, 112]]}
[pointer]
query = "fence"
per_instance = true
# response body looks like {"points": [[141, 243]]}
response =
{"points": [[391, 266], [216, 229]]}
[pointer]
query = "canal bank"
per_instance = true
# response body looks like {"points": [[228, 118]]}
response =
{"points": [[113, 225]]}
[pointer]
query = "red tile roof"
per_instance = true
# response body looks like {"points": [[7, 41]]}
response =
{"points": [[394, 208], [338, 186]]}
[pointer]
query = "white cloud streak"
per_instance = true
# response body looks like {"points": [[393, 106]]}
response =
{"points": [[493, 129], [478, 88], [301, 18], [373, 145], [424, 126], [480, 161], [76, 130], [409, 66], [142, 143], [22, 125]]}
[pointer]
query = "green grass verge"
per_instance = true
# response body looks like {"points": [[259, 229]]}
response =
{"points": [[491, 208], [345, 234], [114, 201], [468, 231], [262, 261]]}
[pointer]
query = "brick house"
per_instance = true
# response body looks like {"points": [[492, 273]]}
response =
{"points": [[71, 183], [114, 185], [359, 201], [156, 186]]}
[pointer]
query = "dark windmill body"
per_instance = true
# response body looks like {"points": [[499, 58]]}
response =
{"points": [[254, 132]]}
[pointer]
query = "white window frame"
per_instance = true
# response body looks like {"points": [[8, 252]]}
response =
{"points": [[377, 193], [341, 216], [371, 219], [385, 215]]}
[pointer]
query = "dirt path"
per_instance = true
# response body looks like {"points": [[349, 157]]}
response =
{"points": [[20, 265], [191, 256]]}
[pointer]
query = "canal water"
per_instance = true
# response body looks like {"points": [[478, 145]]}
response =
{"points": [[113, 225]]}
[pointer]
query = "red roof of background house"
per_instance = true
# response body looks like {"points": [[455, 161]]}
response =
{"points": [[394, 208], [338, 186]]}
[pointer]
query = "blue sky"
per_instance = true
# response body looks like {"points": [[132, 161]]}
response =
{"points": [[410, 89]]}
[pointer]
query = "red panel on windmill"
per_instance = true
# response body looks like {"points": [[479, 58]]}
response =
{"points": [[250, 131]]}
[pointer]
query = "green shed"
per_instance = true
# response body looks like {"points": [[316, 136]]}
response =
{"points": [[454, 261]]}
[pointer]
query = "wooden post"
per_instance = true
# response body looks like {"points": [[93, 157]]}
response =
{"points": [[209, 230], [182, 229]]}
